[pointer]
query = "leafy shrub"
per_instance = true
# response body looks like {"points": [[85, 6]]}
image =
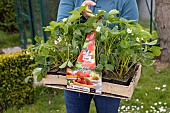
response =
{"points": [[14, 68], [7, 16]]}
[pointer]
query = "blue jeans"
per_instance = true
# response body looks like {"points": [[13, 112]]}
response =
{"points": [[80, 103]]}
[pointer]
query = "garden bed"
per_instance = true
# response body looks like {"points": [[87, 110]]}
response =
{"points": [[108, 89]]}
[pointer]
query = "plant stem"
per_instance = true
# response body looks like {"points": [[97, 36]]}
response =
{"points": [[68, 52], [97, 52]]}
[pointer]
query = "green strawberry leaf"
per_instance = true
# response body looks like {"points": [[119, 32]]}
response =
{"points": [[109, 67], [70, 64], [64, 64]]}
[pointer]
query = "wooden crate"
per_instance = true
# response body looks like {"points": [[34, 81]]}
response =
{"points": [[108, 89]]}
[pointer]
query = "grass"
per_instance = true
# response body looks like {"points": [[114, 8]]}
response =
{"points": [[151, 94], [48, 100], [9, 40]]}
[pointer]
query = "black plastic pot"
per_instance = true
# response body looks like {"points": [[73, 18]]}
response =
{"points": [[106, 80], [116, 81], [57, 73]]}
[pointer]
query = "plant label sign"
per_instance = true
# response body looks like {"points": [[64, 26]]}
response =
{"points": [[84, 78]]}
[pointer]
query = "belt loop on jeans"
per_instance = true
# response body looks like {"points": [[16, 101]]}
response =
{"points": [[79, 94]]}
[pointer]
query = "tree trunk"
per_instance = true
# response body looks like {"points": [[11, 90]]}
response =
{"points": [[162, 15]]}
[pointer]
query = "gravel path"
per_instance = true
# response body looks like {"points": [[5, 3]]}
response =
{"points": [[11, 50]]}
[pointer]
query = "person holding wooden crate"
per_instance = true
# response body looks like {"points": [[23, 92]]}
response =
{"points": [[80, 102]]}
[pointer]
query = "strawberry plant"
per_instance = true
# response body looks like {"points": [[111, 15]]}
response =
{"points": [[120, 44]]}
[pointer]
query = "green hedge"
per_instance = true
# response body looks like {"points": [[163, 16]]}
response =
{"points": [[14, 68], [7, 16]]}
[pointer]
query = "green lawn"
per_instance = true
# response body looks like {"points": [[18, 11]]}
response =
{"points": [[9, 40], [151, 94]]}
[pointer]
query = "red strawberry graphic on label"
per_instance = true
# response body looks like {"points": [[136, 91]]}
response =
{"points": [[91, 46], [83, 74], [91, 36], [69, 71], [79, 74], [88, 82], [83, 82], [78, 80]]}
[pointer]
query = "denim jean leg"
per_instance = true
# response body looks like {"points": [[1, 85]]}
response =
{"points": [[106, 104], [77, 102]]}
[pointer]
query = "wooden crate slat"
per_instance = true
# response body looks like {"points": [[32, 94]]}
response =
{"points": [[103, 93], [55, 79]]}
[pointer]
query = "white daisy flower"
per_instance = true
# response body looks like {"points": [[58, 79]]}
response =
{"points": [[160, 102], [165, 103], [157, 88], [155, 104], [77, 47], [151, 106], [138, 108], [163, 89], [164, 86], [137, 100], [31, 58], [128, 107], [49, 102], [142, 107], [27, 52], [154, 111], [123, 107], [55, 42], [162, 109], [98, 29], [141, 38], [59, 40], [129, 30], [137, 39], [116, 27], [64, 19]]}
